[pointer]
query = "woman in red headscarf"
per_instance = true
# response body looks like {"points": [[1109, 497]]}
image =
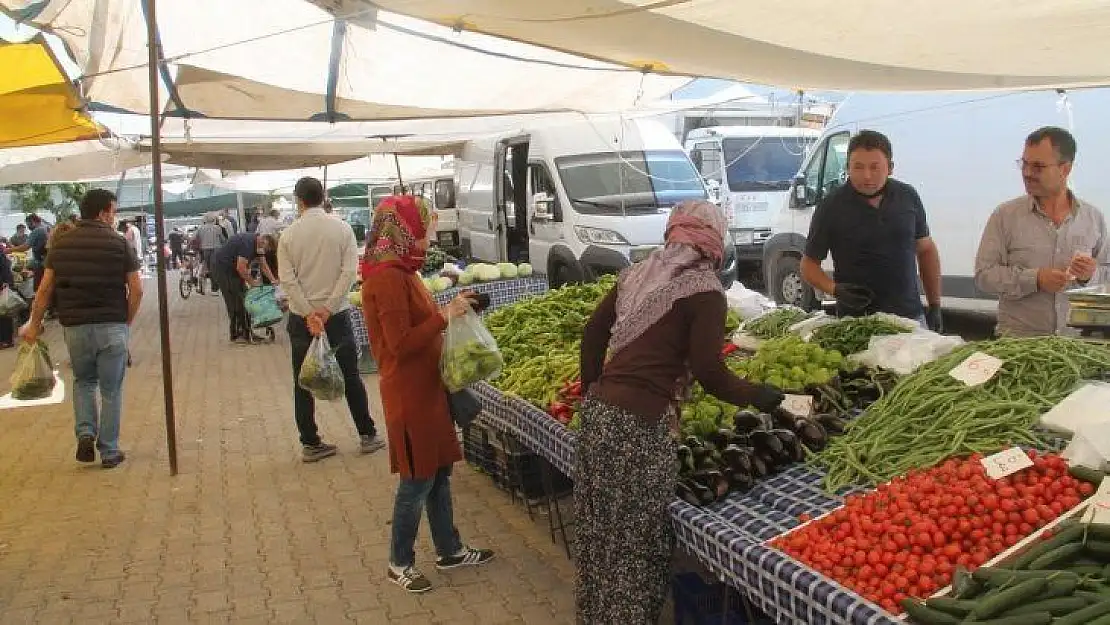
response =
{"points": [[663, 324], [405, 328]]}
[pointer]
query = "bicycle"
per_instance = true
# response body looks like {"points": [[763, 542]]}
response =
{"points": [[191, 277]]}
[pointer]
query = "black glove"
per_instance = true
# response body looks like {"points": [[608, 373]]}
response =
{"points": [[852, 298], [933, 319], [766, 397]]}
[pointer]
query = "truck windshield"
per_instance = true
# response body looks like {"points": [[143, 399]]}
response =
{"points": [[629, 182], [764, 163]]}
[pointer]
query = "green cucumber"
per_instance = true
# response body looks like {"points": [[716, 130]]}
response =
{"points": [[1055, 556], [1092, 597], [997, 577], [1011, 597], [1058, 606], [955, 607], [1100, 549], [1094, 476], [1086, 615], [923, 615], [1062, 586], [1085, 569], [1067, 532], [1102, 620], [1039, 618], [1097, 531]]}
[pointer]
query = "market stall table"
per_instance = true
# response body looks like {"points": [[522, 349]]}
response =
{"points": [[727, 537]]}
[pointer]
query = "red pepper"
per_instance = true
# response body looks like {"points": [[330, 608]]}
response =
{"points": [[728, 349]]}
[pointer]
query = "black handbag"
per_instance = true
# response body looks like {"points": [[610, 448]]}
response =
{"points": [[464, 407]]}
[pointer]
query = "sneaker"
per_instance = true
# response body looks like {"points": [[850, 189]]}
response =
{"points": [[111, 462], [370, 444], [319, 451], [86, 449], [469, 556], [410, 579]]}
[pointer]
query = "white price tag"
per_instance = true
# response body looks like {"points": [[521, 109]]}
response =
{"points": [[1099, 510], [1006, 462], [800, 405], [976, 369]]}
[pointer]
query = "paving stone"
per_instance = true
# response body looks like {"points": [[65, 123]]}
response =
{"points": [[245, 533]]}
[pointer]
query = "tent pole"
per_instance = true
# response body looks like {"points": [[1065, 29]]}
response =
{"points": [[160, 232], [400, 179]]}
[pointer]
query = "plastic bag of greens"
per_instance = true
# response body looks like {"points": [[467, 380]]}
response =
{"points": [[470, 353], [262, 306], [11, 304], [320, 372], [33, 377]]}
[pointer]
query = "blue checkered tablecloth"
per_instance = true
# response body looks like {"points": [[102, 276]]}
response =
{"points": [[727, 537]]}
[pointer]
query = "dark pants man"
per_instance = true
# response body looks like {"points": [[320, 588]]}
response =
{"points": [[232, 289], [338, 329], [177, 254], [206, 261]]}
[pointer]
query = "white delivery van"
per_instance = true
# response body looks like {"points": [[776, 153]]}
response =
{"points": [[960, 151], [753, 166], [577, 200], [437, 187]]}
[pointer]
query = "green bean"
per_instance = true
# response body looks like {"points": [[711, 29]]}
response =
{"points": [[930, 416], [852, 335]]}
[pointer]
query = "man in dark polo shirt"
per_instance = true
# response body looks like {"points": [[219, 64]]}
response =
{"points": [[231, 267], [92, 276], [876, 230]]}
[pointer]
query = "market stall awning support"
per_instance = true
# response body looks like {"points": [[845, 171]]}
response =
{"points": [[160, 230]]}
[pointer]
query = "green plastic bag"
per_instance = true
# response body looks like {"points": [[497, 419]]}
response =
{"points": [[33, 377], [262, 306], [320, 373], [470, 353]]}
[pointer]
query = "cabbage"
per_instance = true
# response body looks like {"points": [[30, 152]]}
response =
{"points": [[466, 279], [506, 270], [428, 284], [441, 284], [355, 298], [524, 270]]}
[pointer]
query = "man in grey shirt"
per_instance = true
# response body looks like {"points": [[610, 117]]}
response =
{"points": [[211, 237], [1036, 246]]}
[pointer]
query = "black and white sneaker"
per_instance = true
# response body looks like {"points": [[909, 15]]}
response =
{"points": [[370, 444], [86, 449], [410, 579], [469, 556]]}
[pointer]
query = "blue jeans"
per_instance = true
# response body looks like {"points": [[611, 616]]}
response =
{"points": [[412, 495], [98, 353]]}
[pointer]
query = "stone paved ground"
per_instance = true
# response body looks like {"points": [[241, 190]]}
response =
{"points": [[246, 533]]}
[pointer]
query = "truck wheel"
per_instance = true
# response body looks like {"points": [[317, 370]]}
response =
{"points": [[788, 286], [561, 275]]}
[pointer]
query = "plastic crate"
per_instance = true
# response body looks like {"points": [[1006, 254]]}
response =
{"points": [[699, 603], [476, 448], [518, 470]]}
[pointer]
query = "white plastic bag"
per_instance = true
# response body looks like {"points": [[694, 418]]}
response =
{"points": [[904, 353], [470, 353], [746, 302], [320, 373], [11, 304], [806, 327]]}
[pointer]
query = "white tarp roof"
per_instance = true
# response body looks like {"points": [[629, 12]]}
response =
{"points": [[290, 60], [374, 169], [69, 162], [812, 44]]}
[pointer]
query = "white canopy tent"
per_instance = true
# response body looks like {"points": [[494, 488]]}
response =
{"points": [[811, 44], [69, 162], [291, 60], [367, 169]]}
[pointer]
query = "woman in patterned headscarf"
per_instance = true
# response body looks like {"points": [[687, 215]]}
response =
{"points": [[405, 328], [663, 324]]}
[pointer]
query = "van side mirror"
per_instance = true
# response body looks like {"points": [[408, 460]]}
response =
{"points": [[542, 204], [714, 188], [799, 193]]}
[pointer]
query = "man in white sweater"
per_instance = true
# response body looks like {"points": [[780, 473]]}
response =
{"points": [[318, 263]]}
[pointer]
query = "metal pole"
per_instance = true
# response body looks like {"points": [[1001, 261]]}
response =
{"points": [[400, 178], [160, 231]]}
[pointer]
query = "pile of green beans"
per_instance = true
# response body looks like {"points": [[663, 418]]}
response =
{"points": [[930, 416], [775, 323], [852, 335]]}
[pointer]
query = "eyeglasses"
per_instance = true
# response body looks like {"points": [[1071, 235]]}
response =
{"points": [[1036, 168]]}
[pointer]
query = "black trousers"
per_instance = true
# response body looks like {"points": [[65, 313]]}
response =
{"points": [[233, 290], [340, 334]]}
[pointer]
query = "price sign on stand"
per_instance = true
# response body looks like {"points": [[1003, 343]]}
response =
{"points": [[1099, 510], [800, 405], [1006, 462], [976, 369]]}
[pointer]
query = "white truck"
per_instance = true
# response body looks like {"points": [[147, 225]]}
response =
{"points": [[577, 200], [437, 187], [959, 150], [753, 168]]}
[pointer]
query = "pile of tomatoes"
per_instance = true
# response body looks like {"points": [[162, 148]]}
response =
{"points": [[906, 538]]}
